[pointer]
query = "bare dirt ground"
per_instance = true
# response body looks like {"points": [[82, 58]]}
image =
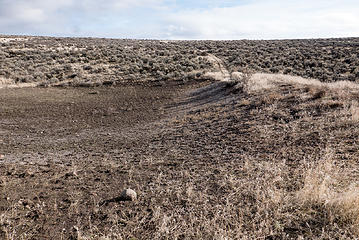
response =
{"points": [[210, 160]]}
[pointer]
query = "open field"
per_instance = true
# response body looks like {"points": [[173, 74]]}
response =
{"points": [[267, 156]]}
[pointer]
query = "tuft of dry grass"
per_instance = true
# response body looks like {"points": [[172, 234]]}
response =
{"points": [[216, 76], [328, 193], [354, 109], [260, 81]]}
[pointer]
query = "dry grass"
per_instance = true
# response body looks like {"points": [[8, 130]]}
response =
{"points": [[222, 74], [261, 81], [11, 39], [273, 157], [354, 109], [4, 81], [255, 162], [216, 76], [238, 76], [329, 192]]}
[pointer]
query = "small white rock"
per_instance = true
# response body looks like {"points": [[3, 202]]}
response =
{"points": [[2, 156], [128, 195]]}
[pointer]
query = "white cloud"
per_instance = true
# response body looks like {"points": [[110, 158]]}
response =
{"points": [[137, 3], [268, 19], [23, 17], [110, 6], [65, 17], [28, 14], [175, 19]]}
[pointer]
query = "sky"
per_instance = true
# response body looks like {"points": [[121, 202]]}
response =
{"points": [[181, 19]]}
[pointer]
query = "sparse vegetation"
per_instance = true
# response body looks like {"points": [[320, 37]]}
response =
{"points": [[68, 61], [267, 156]]}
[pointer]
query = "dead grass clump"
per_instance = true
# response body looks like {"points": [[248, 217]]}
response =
{"points": [[5, 81], [216, 76], [350, 110], [318, 93], [318, 181], [260, 81], [354, 110], [244, 102], [328, 200], [272, 97], [238, 76]]}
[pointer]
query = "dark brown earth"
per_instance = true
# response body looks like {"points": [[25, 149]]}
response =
{"points": [[63, 141], [213, 162]]}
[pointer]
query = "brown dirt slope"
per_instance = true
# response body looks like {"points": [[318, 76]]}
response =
{"points": [[216, 160]]}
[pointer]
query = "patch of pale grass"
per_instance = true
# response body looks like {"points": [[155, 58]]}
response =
{"points": [[350, 110], [8, 39], [5, 81], [327, 185], [18, 85], [216, 76], [238, 76], [346, 205], [9, 83], [354, 110], [318, 182], [260, 81]]}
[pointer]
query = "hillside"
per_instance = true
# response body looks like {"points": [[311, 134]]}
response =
{"points": [[88, 62], [257, 156]]}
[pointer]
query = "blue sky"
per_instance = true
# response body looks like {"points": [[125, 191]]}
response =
{"points": [[186, 19]]}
